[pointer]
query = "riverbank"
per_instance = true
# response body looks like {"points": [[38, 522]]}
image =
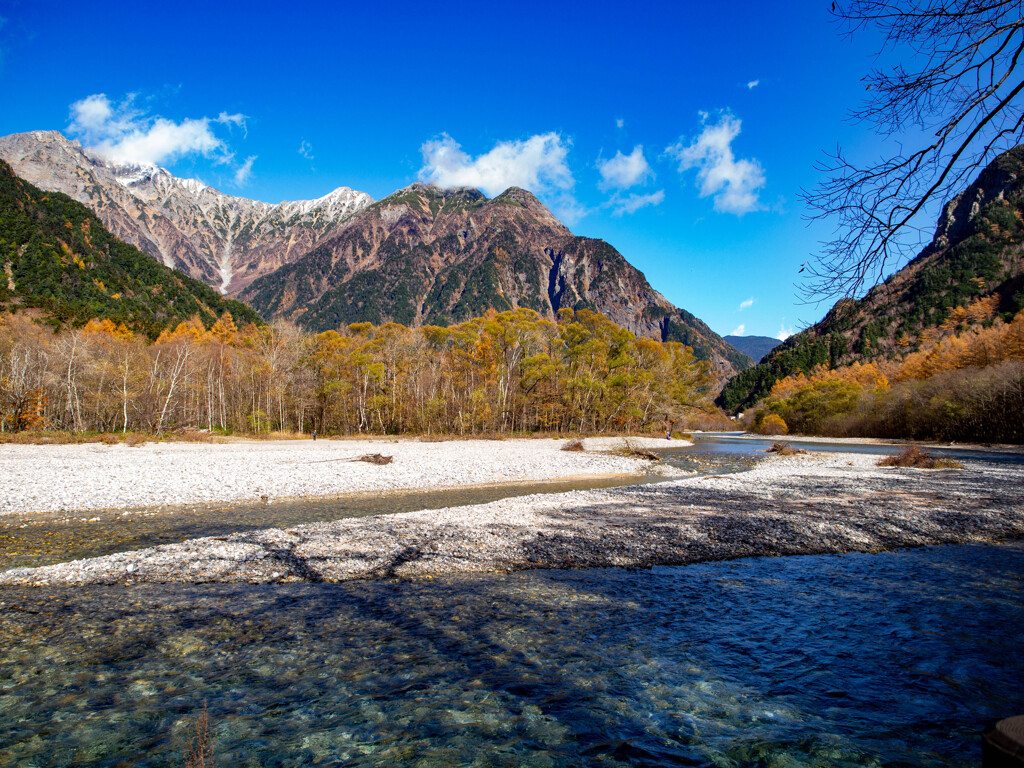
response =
{"points": [[56, 478], [808, 504]]}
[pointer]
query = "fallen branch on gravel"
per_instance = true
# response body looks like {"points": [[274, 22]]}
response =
{"points": [[634, 451], [784, 449], [375, 458]]}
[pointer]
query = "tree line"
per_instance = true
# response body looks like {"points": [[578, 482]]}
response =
{"points": [[504, 372]]}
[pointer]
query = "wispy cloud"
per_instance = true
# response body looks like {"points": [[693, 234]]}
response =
{"points": [[244, 172], [538, 164], [306, 150], [632, 203], [745, 304], [733, 183], [739, 330], [620, 123], [753, 84], [784, 332], [125, 134], [624, 171]]}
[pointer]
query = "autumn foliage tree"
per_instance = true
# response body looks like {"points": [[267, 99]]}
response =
{"points": [[504, 372]]}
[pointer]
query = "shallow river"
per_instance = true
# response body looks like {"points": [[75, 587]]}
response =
{"points": [[896, 659]]}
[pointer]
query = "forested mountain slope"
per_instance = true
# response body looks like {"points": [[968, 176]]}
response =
{"points": [[972, 271], [427, 256], [754, 346], [57, 256]]}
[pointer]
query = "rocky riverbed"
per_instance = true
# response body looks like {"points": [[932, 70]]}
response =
{"points": [[56, 478], [788, 505]]}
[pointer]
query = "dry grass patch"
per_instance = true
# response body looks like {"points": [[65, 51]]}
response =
{"points": [[575, 445], [914, 456]]}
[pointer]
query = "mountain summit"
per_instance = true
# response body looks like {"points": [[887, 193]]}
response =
{"points": [[425, 255], [224, 241]]}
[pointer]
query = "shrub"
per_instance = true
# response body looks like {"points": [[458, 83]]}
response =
{"points": [[573, 445], [913, 456], [772, 424]]}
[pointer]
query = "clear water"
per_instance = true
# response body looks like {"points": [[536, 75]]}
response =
{"points": [[897, 659], [724, 444]]}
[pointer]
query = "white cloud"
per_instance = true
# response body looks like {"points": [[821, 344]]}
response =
{"points": [[124, 134], [753, 84], [624, 171], [244, 172], [306, 150], [784, 332], [537, 164], [733, 183], [745, 304], [635, 202], [620, 123], [739, 330]]}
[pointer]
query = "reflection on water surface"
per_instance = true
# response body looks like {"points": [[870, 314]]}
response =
{"points": [[895, 659]]}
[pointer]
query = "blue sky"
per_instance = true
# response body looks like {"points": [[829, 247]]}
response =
{"points": [[680, 132]]}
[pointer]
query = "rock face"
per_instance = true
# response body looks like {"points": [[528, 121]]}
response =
{"points": [[429, 256], [976, 254], [224, 241]]}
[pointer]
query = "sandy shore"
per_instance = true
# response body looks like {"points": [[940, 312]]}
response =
{"points": [[794, 505], [54, 478]]}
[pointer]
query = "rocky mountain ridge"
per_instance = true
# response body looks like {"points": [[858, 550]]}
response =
{"points": [[222, 240]]}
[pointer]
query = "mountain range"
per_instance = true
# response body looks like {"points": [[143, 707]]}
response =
{"points": [[972, 268], [422, 255], [224, 241]]}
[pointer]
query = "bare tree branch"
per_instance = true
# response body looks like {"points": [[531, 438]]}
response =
{"points": [[959, 80]]}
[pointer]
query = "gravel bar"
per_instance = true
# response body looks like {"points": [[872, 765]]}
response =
{"points": [[807, 504], [58, 478]]}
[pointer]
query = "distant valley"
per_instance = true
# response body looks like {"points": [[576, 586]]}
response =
{"points": [[754, 346]]}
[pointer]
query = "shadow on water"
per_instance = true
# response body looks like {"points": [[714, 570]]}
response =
{"points": [[895, 659]]}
